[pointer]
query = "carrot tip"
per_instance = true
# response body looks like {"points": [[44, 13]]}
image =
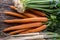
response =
{"points": [[4, 21], [13, 7], [6, 12]]}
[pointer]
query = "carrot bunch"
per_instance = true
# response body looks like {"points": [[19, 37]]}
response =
{"points": [[30, 21]]}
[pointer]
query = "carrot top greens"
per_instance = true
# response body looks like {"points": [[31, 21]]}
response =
{"points": [[44, 5]]}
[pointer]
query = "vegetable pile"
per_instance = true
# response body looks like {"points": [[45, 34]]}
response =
{"points": [[30, 22], [35, 16]]}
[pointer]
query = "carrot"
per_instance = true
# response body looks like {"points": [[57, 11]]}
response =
{"points": [[27, 20], [38, 12], [26, 13], [13, 7], [15, 14], [30, 15], [35, 30], [23, 26], [34, 11], [17, 31]]}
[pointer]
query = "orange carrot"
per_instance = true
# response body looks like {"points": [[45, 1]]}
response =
{"points": [[13, 7], [26, 13], [27, 20], [23, 26], [34, 11], [30, 15], [38, 12], [15, 14], [39, 29], [17, 31]]}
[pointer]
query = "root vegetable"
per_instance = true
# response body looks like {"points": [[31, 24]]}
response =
{"points": [[15, 14], [35, 30], [13, 7], [17, 31], [38, 12], [23, 26], [32, 10], [27, 20], [30, 34], [30, 15]]}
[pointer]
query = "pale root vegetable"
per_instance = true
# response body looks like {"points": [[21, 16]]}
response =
{"points": [[27, 20], [23, 26], [15, 14], [38, 12], [30, 34], [39, 29]]}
